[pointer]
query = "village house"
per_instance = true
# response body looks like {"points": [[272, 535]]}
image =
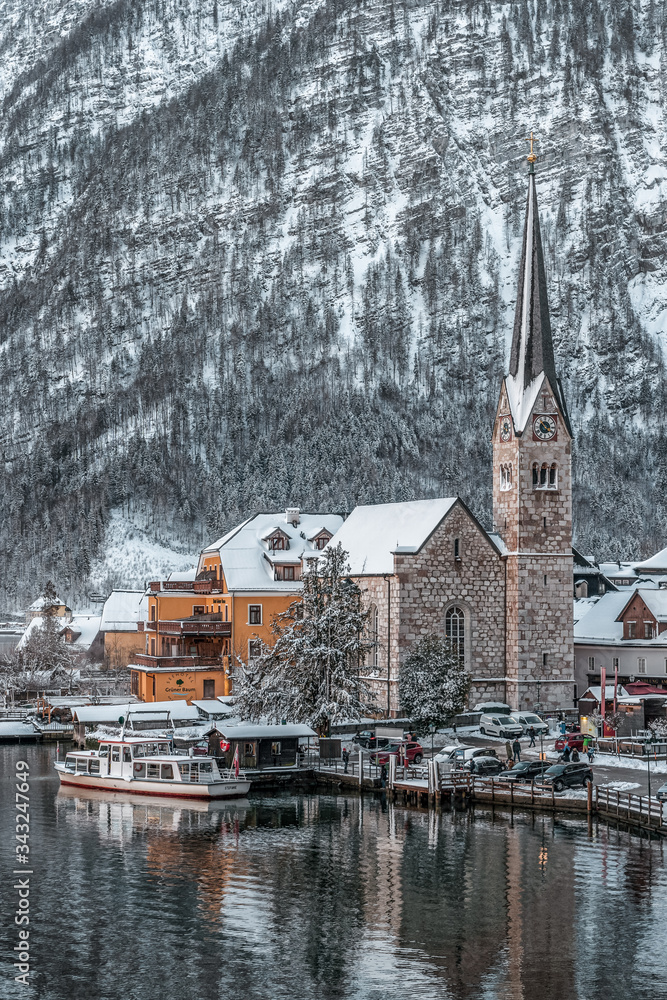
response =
{"points": [[623, 633], [200, 624]]}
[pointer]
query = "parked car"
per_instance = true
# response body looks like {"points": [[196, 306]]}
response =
{"points": [[483, 767], [567, 775], [499, 725], [527, 719], [461, 754], [575, 741], [661, 794], [449, 752], [414, 754], [369, 741], [527, 770]]}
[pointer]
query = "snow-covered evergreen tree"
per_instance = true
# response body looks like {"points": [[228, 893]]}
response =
{"points": [[312, 673], [433, 684]]}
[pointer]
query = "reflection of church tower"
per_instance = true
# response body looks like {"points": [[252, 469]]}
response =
{"points": [[532, 494]]}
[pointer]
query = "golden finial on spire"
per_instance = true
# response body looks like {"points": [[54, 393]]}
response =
{"points": [[532, 157]]}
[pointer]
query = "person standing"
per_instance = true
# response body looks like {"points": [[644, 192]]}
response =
{"points": [[346, 759], [508, 751], [531, 733], [516, 747]]}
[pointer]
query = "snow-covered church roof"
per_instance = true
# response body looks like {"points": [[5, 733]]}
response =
{"points": [[373, 533]]}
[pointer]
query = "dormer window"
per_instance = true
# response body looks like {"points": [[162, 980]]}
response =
{"points": [[278, 541], [285, 573], [319, 540]]}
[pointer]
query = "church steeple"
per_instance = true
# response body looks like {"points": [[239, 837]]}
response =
{"points": [[532, 354]]}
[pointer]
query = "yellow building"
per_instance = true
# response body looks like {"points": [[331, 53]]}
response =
{"points": [[200, 624], [121, 626]]}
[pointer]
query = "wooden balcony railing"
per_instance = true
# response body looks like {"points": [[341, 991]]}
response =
{"points": [[180, 662], [194, 627]]}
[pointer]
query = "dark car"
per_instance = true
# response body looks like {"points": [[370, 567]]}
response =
{"points": [[484, 767], [369, 741], [661, 794], [567, 775], [412, 753], [527, 770], [575, 741]]}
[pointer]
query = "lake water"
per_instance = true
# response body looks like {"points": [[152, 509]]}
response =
{"points": [[301, 897]]}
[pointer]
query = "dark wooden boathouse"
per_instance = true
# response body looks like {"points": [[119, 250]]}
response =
{"points": [[260, 747]]}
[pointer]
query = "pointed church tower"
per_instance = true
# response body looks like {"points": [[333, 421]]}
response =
{"points": [[532, 495]]}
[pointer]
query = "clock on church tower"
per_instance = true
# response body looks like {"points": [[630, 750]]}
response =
{"points": [[532, 494]]}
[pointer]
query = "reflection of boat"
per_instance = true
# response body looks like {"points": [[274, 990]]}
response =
{"points": [[83, 796], [139, 765]]}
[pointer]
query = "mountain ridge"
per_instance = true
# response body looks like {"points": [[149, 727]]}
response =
{"points": [[288, 245]]}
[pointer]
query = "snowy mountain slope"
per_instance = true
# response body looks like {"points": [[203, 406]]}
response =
{"points": [[256, 254]]}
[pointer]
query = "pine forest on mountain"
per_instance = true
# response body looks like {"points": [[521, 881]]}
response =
{"points": [[255, 254]]}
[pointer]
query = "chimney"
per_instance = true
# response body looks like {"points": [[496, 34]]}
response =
{"points": [[292, 516]]}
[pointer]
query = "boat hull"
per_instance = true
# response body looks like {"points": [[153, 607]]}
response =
{"points": [[226, 789]]}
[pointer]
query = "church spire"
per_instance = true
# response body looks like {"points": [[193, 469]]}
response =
{"points": [[532, 354]]}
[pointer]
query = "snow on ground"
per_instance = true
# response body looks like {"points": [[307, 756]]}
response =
{"points": [[620, 786], [132, 558]]}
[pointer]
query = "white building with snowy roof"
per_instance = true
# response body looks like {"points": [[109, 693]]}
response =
{"points": [[624, 632]]}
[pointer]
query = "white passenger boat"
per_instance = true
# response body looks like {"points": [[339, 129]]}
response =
{"points": [[148, 766]]}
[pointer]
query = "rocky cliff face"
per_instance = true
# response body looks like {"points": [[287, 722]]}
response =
{"points": [[258, 253]]}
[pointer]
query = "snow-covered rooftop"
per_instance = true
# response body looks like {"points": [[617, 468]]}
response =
{"points": [[146, 711], [656, 563], [43, 602], [594, 692], [123, 609], [211, 706], [582, 606], [243, 550], [615, 569], [373, 533], [87, 626], [247, 731], [600, 623]]}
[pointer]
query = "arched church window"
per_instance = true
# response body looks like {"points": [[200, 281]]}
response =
{"points": [[536, 475], [544, 475], [373, 629], [455, 631], [506, 476], [553, 476]]}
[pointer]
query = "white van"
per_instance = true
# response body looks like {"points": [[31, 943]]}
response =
{"points": [[527, 719], [499, 725]]}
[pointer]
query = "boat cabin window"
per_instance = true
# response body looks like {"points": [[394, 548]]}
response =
{"points": [[70, 763], [167, 772], [127, 754], [205, 767], [104, 749], [152, 770], [185, 771], [94, 767], [82, 766], [115, 753]]}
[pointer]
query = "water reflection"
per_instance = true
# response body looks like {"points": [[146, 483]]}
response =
{"points": [[330, 898]]}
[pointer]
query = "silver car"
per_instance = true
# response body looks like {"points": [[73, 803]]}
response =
{"points": [[500, 725], [527, 719]]}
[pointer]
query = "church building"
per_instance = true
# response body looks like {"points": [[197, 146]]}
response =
{"points": [[503, 597]]}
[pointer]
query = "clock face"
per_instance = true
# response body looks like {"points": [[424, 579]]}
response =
{"points": [[505, 428], [544, 427]]}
